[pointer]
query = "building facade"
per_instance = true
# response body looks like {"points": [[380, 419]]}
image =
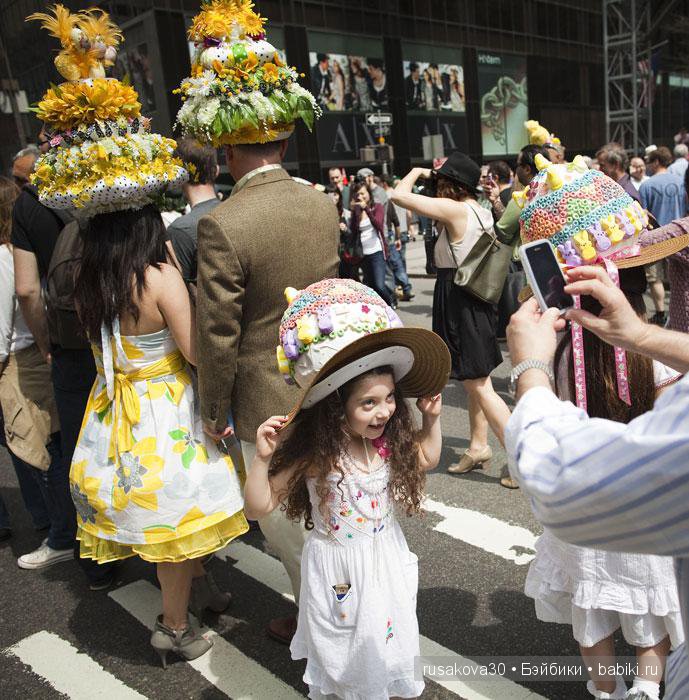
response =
{"points": [[426, 76]]}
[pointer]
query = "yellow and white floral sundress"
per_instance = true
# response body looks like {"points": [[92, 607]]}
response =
{"points": [[145, 479]]}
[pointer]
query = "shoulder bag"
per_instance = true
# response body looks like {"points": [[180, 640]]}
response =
{"points": [[483, 271]]}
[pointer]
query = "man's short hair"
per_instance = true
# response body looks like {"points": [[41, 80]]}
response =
{"points": [[413, 66], [267, 150], [662, 156], [320, 57], [613, 153], [375, 63], [30, 150], [501, 171], [200, 160], [528, 155], [681, 150]]}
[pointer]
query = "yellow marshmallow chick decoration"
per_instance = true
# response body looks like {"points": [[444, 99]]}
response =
{"points": [[307, 329], [583, 244], [283, 362], [613, 231]]}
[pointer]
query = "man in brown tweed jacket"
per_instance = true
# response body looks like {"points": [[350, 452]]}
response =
{"points": [[271, 233]]}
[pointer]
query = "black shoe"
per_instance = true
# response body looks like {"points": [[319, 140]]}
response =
{"points": [[5, 533], [659, 318], [407, 296]]}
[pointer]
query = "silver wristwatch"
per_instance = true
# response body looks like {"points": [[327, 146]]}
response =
{"points": [[529, 364]]}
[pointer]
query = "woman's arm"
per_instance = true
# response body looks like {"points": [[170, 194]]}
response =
{"points": [[430, 437], [176, 308], [438, 208]]}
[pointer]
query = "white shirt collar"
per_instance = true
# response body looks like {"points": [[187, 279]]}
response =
{"points": [[252, 173]]}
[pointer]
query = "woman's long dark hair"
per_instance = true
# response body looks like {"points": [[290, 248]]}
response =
{"points": [[319, 438], [599, 363], [118, 248], [329, 189]]}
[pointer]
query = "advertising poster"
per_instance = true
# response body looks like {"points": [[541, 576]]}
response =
{"points": [[503, 103], [344, 83], [434, 87]]}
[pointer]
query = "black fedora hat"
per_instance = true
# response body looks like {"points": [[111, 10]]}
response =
{"points": [[462, 169]]}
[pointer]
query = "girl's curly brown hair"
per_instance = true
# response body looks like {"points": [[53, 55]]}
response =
{"points": [[319, 439]]}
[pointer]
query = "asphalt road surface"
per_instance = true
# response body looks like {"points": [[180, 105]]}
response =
{"points": [[474, 541]]}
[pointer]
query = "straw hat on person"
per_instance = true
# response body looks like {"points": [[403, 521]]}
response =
{"points": [[337, 329]]}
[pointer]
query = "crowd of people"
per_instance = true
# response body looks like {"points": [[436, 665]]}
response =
{"points": [[144, 415]]}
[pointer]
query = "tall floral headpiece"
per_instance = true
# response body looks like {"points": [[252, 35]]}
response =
{"points": [[240, 91], [102, 155]]}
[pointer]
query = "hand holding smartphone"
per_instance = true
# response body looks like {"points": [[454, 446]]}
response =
{"points": [[545, 276]]}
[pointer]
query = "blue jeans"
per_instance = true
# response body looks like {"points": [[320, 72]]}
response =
{"points": [[73, 373], [33, 486], [373, 267], [398, 267]]}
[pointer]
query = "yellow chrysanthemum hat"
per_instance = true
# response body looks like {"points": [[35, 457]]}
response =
{"points": [[240, 91], [102, 155]]}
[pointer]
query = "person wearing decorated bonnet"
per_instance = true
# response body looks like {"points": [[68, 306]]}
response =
{"points": [[144, 479], [590, 219], [348, 458], [270, 233]]}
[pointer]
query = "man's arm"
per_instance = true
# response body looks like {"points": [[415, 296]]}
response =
{"points": [[508, 225], [595, 482], [603, 484], [220, 297], [27, 283]]}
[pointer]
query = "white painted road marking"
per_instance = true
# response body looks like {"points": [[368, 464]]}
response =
{"points": [[69, 671], [225, 666], [251, 559], [259, 568], [483, 531]]}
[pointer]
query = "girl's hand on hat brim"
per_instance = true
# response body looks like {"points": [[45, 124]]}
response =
{"points": [[430, 405], [269, 436]]}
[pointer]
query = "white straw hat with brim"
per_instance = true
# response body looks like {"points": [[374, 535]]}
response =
{"points": [[336, 330]]}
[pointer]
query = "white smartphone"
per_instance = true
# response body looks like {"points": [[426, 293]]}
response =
{"points": [[545, 275]]}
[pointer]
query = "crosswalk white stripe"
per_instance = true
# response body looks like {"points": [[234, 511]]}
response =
{"points": [[68, 670], [254, 560], [483, 531], [259, 568], [225, 666]]}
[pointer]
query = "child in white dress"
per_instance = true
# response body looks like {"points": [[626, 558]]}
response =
{"points": [[351, 453]]}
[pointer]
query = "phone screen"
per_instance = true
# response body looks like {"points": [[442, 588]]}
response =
{"points": [[548, 276]]}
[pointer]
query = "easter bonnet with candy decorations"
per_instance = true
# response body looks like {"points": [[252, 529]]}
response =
{"points": [[589, 220]]}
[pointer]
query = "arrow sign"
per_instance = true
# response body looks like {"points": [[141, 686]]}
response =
{"points": [[379, 119]]}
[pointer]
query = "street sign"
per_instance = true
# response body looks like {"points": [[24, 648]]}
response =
{"points": [[379, 119]]}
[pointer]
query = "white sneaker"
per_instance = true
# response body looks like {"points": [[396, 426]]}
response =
{"points": [[44, 556]]}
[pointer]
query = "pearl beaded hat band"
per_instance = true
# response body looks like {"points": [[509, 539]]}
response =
{"points": [[336, 330]]}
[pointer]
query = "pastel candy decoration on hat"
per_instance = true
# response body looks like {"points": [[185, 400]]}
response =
{"points": [[240, 91], [102, 155], [583, 213], [324, 318], [539, 135]]}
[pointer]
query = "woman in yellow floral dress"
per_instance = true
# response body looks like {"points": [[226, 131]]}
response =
{"points": [[145, 479]]}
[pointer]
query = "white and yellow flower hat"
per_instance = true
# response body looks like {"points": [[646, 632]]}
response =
{"points": [[240, 91], [102, 155]]}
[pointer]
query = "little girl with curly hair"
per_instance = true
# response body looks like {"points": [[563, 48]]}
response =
{"points": [[350, 455]]}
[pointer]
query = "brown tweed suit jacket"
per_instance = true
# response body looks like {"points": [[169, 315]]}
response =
{"points": [[273, 233]]}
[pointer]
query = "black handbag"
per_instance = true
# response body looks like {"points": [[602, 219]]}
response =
{"points": [[352, 252], [484, 270]]}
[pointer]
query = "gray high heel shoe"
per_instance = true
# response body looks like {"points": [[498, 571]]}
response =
{"points": [[205, 595], [187, 643]]}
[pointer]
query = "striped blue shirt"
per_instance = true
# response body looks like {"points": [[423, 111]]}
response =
{"points": [[606, 485]]}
